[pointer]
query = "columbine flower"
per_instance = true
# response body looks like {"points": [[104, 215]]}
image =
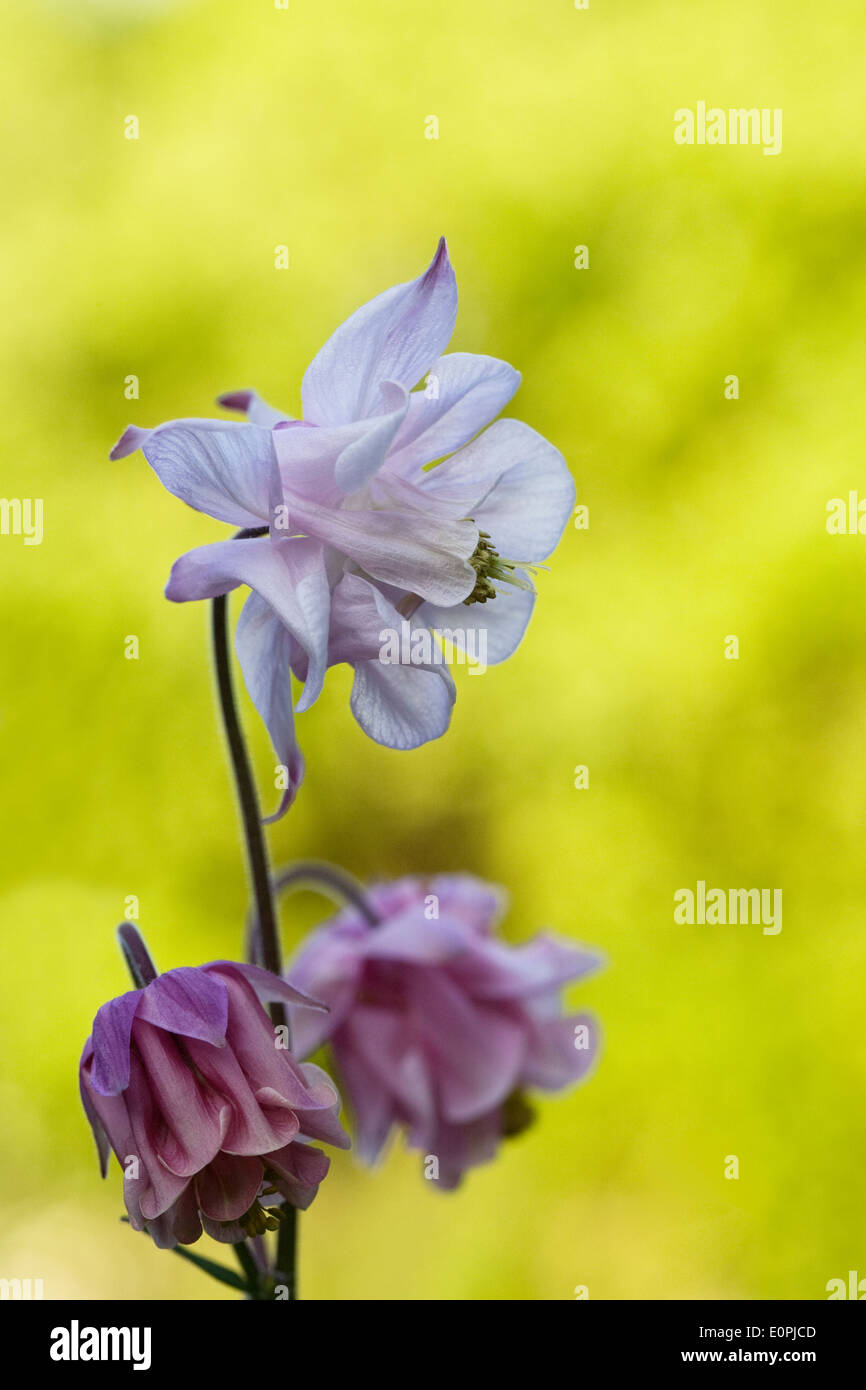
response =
{"points": [[437, 1025], [185, 1082], [362, 534]]}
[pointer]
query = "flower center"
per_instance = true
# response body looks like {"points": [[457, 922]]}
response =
{"points": [[260, 1219], [491, 569]]}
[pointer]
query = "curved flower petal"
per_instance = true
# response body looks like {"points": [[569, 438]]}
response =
{"points": [[423, 555], [394, 337], [490, 631], [361, 459], [402, 706], [553, 1059], [479, 1050], [225, 469], [526, 511], [112, 1029], [228, 1186], [192, 1119], [267, 988], [471, 390], [264, 647], [291, 577], [187, 1001]]}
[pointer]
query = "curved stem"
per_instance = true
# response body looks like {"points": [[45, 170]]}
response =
{"points": [[257, 857], [318, 876], [136, 955]]}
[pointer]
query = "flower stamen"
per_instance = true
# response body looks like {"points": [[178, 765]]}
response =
{"points": [[490, 567]]}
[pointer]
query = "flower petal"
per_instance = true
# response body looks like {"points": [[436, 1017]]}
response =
{"points": [[421, 554], [361, 459], [490, 632], [402, 706], [187, 1001], [264, 644], [225, 469], [250, 403], [471, 391], [228, 1186], [112, 1029], [290, 576], [526, 510], [394, 337]]}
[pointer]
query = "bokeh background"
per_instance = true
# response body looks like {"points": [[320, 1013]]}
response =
{"points": [[155, 257]]}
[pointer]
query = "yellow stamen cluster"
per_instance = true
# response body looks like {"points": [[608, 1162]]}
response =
{"points": [[260, 1219], [489, 566]]}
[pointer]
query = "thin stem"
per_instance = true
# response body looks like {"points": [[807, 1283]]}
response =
{"points": [[257, 858], [257, 854], [249, 1266], [320, 877]]}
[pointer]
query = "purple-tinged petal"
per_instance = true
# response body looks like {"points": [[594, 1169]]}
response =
{"points": [[419, 553], [112, 1029], [187, 1001], [250, 403], [471, 391], [228, 1186], [361, 459], [268, 988], [225, 469], [527, 509], [290, 576], [193, 1119], [298, 1170], [463, 1146], [247, 1129], [180, 1225], [402, 706], [479, 1051], [394, 337], [554, 1060], [490, 632], [264, 647], [520, 972]]}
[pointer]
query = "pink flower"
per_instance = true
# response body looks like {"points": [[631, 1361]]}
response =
{"points": [[437, 1025], [352, 532], [186, 1082]]}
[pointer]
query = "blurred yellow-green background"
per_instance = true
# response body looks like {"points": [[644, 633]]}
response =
{"points": [[155, 257]]}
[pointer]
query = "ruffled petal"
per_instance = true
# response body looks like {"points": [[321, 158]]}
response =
{"points": [[191, 1127], [527, 509], [471, 390], [394, 337], [479, 1050]]}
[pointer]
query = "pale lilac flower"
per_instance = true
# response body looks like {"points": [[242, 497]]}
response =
{"points": [[436, 1024], [207, 1115], [362, 534]]}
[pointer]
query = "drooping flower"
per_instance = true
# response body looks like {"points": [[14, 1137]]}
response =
{"points": [[437, 1025], [207, 1114], [361, 535]]}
